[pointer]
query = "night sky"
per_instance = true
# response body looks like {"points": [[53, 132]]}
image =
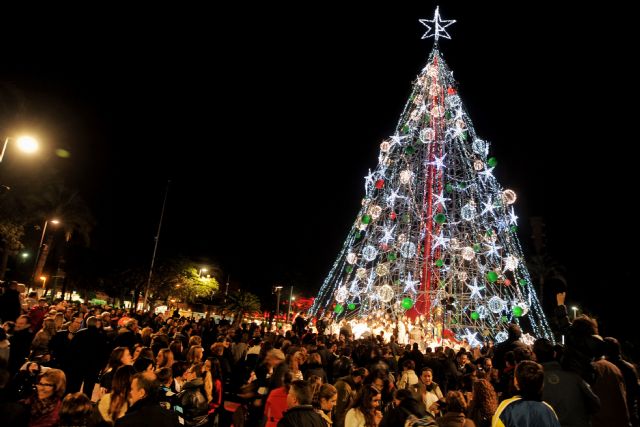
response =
{"points": [[267, 119]]}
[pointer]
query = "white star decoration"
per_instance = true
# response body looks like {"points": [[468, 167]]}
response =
{"points": [[393, 195], [438, 28], [513, 219], [438, 162], [410, 285], [439, 199], [440, 240], [475, 289], [471, 338]]}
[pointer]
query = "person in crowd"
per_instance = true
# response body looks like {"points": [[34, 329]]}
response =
{"points": [[213, 383], [143, 409], [408, 379], [10, 305], [119, 356], [613, 353], [484, 403], [276, 403], [347, 387], [144, 364], [191, 399], [4, 346], [510, 344], [300, 412], [454, 411], [77, 410], [114, 405], [325, 397], [195, 354], [429, 391], [527, 407], [164, 359], [365, 410], [40, 343], [44, 405], [88, 349], [569, 395], [404, 406], [20, 343]]}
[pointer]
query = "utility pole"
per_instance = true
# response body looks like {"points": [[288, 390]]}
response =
{"points": [[155, 249], [278, 289]]}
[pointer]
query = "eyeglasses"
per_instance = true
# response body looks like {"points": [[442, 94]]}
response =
{"points": [[46, 385]]}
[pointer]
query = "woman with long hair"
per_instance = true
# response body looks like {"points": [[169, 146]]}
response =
{"points": [[115, 404], [164, 359], [430, 391], [483, 404], [119, 356], [40, 343], [44, 405], [365, 410], [195, 354], [325, 397]]}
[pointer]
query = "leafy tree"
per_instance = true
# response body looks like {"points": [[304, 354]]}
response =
{"points": [[240, 302]]}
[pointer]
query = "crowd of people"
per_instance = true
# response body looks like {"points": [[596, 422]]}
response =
{"points": [[64, 364]]}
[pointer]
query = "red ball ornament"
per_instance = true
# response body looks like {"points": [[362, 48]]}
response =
{"points": [[392, 215], [507, 282], [380, 184], [384, 246], [451, 91]]}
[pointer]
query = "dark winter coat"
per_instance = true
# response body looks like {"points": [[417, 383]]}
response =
{"points": [[303, 415], [146, 412]]}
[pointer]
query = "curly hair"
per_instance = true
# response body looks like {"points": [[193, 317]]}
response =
{"points": [[484, 402]]}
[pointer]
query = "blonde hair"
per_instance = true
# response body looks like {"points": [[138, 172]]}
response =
{"points": [[57, 377]]}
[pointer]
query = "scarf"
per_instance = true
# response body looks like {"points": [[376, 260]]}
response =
{"points": [[42, 408], [431, 387]]}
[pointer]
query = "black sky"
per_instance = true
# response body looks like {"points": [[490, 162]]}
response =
{"points": [[266, 119]]}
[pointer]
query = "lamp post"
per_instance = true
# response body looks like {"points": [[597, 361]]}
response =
{"points": [[202, 270], [290, 299], [25, 143], [575, 309], [277, 290], [44, 282], [37, 260]]}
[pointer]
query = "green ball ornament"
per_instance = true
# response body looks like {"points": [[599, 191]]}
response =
{"points": [[517, 311], [339, 308], [522, 282], [503, 319], [351, 306], [358, 235], [349, 268], [409, 150], [475, 315], [514, 228], [477, 247], [366, 219], [448, 188], [440, 218], [407, 303], [439, 263], [391, 256], [406, 129], [492, 276], [492, 161]]}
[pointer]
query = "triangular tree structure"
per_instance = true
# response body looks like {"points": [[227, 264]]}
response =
{"points": [[436, 234]]}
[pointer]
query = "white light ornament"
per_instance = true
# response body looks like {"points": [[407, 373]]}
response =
{"points": [[369, 253], [496, 304], [408, 249], [479, 147], [513, 219], [385, 146], [382, 269], [352, 258], [501, 337], [437, 111], [427, 135], [437, 27], [478, 165], [528, 339], [511, 263], [385, 293], [361, 273], [482, 311], [468, 211], [341, 294], [406, 176], [468, 253], [354, 289], [375, 211], [509, 197], [454, 101]]}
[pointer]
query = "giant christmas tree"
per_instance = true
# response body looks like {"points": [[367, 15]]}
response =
{"points": [[436, 234]]}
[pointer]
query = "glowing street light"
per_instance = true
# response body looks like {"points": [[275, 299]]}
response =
{"points": [[44, 281], [25, 143], [202, 270], [575, 309]]}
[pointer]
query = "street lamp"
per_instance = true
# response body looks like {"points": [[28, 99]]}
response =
{"points": [[44, 230], [290, 299], [202, 270], [575, 309], [277, 290], [44, 281], [25, 143]]}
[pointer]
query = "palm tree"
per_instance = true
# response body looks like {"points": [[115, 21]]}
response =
{"points": [[544, 268], [241, 302]]}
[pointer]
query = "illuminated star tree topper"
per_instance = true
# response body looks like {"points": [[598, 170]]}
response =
{"points": [[437, 27]]}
